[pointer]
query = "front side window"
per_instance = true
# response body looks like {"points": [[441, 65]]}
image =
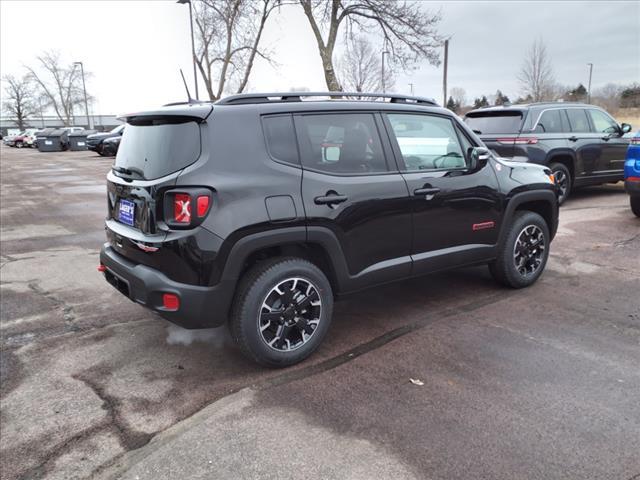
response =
{"points": [[578, 120], [341, 144], [602, 122], [550, 122], [427, 142]]}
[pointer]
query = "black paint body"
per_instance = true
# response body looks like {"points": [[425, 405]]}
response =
{"points": [[262, 207]]}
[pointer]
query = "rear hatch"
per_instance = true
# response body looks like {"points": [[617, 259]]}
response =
{"points": [[497, 128], [155, 147]]}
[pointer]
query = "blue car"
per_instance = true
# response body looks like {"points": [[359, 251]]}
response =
{"points": [[632, 173]]}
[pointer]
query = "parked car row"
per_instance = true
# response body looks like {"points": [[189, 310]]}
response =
{"points": [[68, 138], [581, 144]]}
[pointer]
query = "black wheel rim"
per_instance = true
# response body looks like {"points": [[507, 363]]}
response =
{"points": [[290, 314], [562, 181], [529, 250]]}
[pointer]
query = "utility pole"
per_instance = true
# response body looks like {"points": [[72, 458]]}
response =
{"points": [[384, 52], [84, 88], [589, 91], [444, 76], [193, 44], [411, 87]]}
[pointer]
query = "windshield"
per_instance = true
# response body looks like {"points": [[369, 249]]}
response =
{"points": [[157, 149], [495, 122]]}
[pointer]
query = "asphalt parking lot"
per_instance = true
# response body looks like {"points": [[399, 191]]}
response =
{"points": [[542, 383]]}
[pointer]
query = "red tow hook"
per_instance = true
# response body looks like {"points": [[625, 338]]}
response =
{"points": [[101, 268]]}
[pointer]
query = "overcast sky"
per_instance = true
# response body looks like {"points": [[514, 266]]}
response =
{"points": [[135, 48]]}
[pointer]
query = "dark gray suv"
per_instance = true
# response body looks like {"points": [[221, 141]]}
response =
{"points": [[582, 144]]}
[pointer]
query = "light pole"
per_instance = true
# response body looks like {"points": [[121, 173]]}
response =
{"points": [[84, 88], [384, 52], [193, 44], [589, 92], [444, 73]]}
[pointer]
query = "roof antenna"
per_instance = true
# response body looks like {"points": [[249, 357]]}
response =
{"points": [[191, 100]]}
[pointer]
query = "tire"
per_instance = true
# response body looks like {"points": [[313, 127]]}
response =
{"points": [[507, 269], [563, 180], [258, 331], [635, 204], [19, 145]]}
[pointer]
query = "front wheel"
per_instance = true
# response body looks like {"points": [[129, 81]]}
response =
{"points": [[563, 180], [635, 204], [282, 311], [19, 144], [523, 252]]}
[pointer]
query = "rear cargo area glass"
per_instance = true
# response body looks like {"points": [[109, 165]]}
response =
{"points": [[495, 122], [158, 149]]}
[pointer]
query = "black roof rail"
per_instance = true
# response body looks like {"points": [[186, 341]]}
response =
{"points": [[278, 97]]}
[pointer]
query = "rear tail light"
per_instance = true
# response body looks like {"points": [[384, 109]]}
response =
{"points": [[187, 207], [170, 301], [518, 141], [101, 268], [635, 141], [202, 205], [182, 208]]}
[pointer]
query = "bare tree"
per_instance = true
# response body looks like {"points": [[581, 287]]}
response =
{"points": [[459, 96], [360, 68], [228, 34], [60, 85], [407, 30], [608, 97], [536, 75], [19, 99]]}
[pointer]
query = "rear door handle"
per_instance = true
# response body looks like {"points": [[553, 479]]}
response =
{"points": [[573, 139], [426, 191], [330, 199]]}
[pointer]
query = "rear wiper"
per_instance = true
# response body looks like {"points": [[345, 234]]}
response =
{"points": [[128, 171]]}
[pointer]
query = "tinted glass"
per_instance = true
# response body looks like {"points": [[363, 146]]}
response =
{"points": [[495, 122], [342, 143], [602, 122], [578, 120], [281, 140], [550, 122], [152, 151], [427, 142]]}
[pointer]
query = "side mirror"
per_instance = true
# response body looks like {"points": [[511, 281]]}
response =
{"points": [[626, 128], [478, 157]]}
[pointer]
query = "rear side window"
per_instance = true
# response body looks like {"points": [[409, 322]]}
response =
{"points": [[344, 144], [154, 148], [550, 122], [281, 139], [578, 120], [602, 122], [484, 123]]}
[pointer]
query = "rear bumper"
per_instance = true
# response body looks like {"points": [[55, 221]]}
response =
{"points": [[632, 187], [200, 307]]}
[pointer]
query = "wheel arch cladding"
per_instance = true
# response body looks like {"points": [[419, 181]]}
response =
{"points": [[542, 202]]}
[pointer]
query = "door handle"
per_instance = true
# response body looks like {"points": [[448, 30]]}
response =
{"points": [[573, 139], [330, 199], [426, 191]]}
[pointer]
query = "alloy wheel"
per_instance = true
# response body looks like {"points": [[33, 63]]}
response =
{"points": [[290, 314], [562, 181], [529, 250]]}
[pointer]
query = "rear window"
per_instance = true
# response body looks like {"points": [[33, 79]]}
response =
{"points": [[495, 122], [155, 148]]}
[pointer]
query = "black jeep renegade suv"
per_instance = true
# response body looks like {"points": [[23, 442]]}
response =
{"points": [[258, 210], [581, 144]]}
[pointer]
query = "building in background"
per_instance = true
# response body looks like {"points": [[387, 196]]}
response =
{"points": [[100, 123]]}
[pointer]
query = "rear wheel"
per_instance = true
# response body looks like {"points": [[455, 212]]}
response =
{"points": [[635, 204], [563, 179], [523, 252], [19, 144], [282, 311]]}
